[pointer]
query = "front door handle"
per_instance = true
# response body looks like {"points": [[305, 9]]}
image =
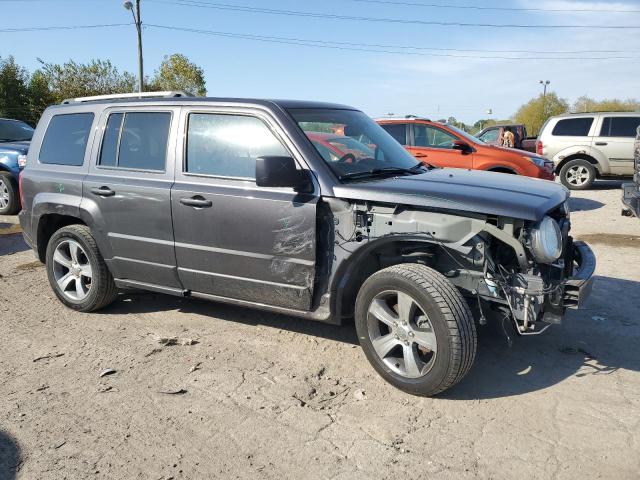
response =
{"points": [[601, 144], [420, 155], [197, 201], [103, 192]]}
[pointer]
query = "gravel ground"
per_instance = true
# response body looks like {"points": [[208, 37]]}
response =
{"points": [[255, 395]]}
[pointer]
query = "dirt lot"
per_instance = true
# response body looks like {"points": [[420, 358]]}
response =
{"points": [[267, 396]]}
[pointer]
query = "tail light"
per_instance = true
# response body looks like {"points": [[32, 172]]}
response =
{"points": [[539, 147]]}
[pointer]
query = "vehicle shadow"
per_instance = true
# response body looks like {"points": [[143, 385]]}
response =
{"points": [[10, 456], [11, 240], [608, 184], [147, 302], [598, 340], [584, 204], [595, 341]]}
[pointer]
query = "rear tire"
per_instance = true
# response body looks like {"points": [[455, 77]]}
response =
{"points": [[578, 174], [415, 328], [9, 198], [76, 270]]}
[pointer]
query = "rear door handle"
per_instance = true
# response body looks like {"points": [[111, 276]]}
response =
{"points": [[601, 144], [103, 192], [197, 201]]}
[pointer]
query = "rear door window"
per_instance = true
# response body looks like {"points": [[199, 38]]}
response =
{"points": [[397, 131], [136, 141], [228, 145], [573, 127], [619, 126], [65, 140]]}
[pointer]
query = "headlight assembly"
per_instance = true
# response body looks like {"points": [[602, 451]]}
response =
{"points": [[546, 241], [539, 161]]}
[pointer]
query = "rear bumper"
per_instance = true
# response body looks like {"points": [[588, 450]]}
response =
{"points": [[578, 286], [24, 219], [631, 198]]}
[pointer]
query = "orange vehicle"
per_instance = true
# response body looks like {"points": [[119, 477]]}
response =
{"points": [[444, 145]]}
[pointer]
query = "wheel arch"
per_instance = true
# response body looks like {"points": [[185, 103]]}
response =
{"points": [[360, 265], [48, 224], [582, 156]]}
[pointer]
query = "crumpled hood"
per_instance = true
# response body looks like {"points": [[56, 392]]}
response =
{"points": [[19, 147], [464, 190]]}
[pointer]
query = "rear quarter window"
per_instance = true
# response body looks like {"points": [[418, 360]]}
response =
{"points": [[573, 127], [65, 140]]}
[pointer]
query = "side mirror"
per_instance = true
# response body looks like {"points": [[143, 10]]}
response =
{"points": [[272, 171], [464, 147]]}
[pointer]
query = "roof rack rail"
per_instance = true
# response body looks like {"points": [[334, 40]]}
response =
{"points": [[117, 96]]}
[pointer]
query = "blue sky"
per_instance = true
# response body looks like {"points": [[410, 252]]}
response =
{"points": [[378, 83]]}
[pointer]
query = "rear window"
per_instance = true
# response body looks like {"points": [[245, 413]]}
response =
{"points": [[619, 126], [397, 131], [66, 139], [573, 127], [136, 140]]}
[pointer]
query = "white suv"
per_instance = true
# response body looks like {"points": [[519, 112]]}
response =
{"points": [[586, 146]]}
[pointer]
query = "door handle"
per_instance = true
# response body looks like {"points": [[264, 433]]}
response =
{"points": [[103, 192], [197, 201], [420, 155], [601, 144]]}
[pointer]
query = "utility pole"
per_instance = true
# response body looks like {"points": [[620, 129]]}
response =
{"points": [[138, 22]]}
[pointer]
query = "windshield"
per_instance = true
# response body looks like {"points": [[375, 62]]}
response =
{"points": [[14, 131], [353, 145], [466, 135]]}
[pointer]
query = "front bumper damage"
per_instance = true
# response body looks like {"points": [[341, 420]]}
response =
{"points": [[535, 304], [631, 199]]}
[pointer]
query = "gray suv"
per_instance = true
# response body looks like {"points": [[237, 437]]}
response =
{"points": [[301, 208]]}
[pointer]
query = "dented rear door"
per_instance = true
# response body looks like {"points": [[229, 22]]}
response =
{"points": [[232, 238]]}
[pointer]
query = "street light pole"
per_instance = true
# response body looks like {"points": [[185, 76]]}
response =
{"points": [[545, 84], [138, 22]]}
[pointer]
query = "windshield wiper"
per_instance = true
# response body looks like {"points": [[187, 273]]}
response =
{"points": [[374, 172]]}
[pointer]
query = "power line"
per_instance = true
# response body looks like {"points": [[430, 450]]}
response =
{"points": [[298, 13], [510, 9], [63, 27], [359, 47]]}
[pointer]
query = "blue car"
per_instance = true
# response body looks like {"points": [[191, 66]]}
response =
{"points": [[14, 144]]}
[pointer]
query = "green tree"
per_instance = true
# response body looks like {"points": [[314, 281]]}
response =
{"points": [[13, 90], [98, 77], [536, 111], [39, 96], [586, 104], [176, 72]]}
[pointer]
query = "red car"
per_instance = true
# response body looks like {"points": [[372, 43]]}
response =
{"points": [[444, 145]]}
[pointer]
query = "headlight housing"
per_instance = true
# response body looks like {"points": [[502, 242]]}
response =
{"points": [[546, 241], [539, 161]]}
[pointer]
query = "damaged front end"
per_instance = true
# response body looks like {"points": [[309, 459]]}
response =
{"points": [[528, 272]]}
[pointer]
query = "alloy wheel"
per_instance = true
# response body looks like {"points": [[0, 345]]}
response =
{"points": [[4, 194], [401, 334], [72, 270], [578, 175]]}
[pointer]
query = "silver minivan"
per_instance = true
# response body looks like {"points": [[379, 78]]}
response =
{"points": [[586, 146]]}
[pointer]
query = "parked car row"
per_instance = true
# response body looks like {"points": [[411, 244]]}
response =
{"points": [[444, 145], [14, 144], [307, 209]]}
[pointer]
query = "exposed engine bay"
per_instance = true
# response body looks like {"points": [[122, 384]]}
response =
{"points": [[509, 269]]}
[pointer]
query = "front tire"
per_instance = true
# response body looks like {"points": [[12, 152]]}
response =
{"points": [[578, 174], [415, 329], [76, 270], [9, 198]]}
